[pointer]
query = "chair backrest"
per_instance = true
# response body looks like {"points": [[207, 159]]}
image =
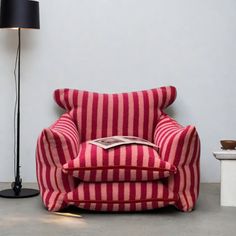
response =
{"points": [[100, 115]]}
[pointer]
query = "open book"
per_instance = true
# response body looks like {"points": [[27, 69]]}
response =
{"points": [[114, 141]]}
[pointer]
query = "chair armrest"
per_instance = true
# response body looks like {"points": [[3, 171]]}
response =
{"points": [[56, 145], [63, 135], [180, 146], [174, 140], [61, 140]]}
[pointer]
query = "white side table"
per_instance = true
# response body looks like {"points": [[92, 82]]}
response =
{"points": [[228, 177]]}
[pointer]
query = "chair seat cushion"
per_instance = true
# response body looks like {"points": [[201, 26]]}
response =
{"points": [[126, 196], [123, 163]]}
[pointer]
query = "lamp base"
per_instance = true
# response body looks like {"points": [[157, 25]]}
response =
{"points": [[24, 193]]}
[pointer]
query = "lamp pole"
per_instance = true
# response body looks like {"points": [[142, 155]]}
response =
{"points": [[18, 14], [16, 186]]}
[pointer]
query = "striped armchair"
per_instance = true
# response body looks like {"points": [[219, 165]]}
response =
{"points": [[91, 115]]}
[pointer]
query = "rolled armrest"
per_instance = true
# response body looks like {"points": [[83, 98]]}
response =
{"points": [[180, 146], [63, 136], [56, 145], [173, 139]]}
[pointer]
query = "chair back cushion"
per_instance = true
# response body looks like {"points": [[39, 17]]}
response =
{"points": [[128, 114]]}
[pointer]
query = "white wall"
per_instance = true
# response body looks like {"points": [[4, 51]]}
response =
{"points": [[124, 45]]}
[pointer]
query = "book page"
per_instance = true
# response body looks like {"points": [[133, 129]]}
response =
{"points": [[114, 141]]}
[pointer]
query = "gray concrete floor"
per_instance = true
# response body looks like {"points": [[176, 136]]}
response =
{"points": [[29, 217]]}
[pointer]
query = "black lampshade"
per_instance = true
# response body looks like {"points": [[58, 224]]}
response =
{"points": [[19, 14]]}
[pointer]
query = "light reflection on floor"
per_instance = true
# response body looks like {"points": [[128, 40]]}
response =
{"points": [[63, 219]]}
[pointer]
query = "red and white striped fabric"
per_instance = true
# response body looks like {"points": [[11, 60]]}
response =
{"points": [[92, 115], [180, 146], [56, 146], [124, 163], [126, 114], [135, 196]]}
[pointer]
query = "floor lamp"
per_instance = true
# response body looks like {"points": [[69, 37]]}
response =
{"points": [[19, 14]]}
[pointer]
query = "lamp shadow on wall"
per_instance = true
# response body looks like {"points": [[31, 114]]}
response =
{"points": [[58, 110], [9, 40], [171, 111]]}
